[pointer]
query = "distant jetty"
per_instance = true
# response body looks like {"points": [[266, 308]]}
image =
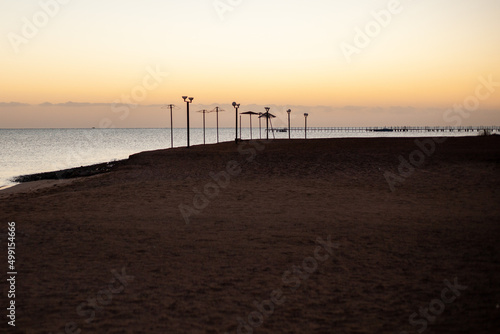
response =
{"points": [[393, 129]]}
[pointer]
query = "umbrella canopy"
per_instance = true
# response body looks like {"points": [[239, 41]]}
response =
{"points": [[267, 115], [249, 113], [215, 109]]}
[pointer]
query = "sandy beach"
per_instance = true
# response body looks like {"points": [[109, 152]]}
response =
{"points": [[265, 237]]}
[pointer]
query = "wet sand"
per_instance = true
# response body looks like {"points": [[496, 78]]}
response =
{"points": [[265, 237]]}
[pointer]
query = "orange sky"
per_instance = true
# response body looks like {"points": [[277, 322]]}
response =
{"points": [[422, 56]]}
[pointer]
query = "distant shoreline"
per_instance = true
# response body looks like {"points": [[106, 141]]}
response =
{"points": [[69, 173]]}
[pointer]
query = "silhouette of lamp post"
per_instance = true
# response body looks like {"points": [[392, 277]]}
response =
{"points": [[204, 112], [217, 109], [188, 100], [171, 106], [305, 119], [236, 106], [267, 122], [250, 113], [289, 111]]}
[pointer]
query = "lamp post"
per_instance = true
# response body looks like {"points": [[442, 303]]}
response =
{"points": [[236, 106], [171, 106], [289, 112], [188, 100], [305, 118], [204, 112], [217, 109], [217, 114], [267, 122]]}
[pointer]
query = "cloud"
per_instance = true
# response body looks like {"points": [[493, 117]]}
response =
{"points": [[376, 109], [75, 104], [348, 108], [354, 108], [13, 104], [401, 109], [89, 104], [276, 109]]}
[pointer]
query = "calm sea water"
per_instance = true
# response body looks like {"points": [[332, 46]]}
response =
{"points": [[29, 151]]}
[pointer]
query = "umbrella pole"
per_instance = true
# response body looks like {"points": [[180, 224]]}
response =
{"points": [[267, 126], [270, 120], [171, 128], [217, 124], [260, 130]]}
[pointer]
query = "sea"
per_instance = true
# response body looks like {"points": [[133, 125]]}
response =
{"points": [[30, 151]]}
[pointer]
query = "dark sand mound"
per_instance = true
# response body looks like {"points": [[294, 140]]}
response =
{"points": [[255, 237]]}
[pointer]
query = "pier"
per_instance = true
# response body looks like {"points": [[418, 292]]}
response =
{"points": [[392, 129]]}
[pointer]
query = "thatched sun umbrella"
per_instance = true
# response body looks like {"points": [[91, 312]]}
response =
{"points": [[268, 117]]}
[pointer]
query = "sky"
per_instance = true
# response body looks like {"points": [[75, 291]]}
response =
{"points": [[75, 63]]}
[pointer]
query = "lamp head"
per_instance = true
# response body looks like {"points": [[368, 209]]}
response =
{"points": [[191, 99], [289, 111], [234, 104], [267, 109], [184, 98], [306, 114]]}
